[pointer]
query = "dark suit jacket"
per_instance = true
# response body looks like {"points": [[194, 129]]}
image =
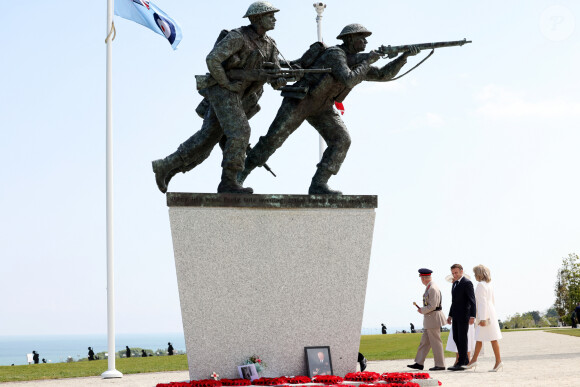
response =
{"points": [[463, 301]]}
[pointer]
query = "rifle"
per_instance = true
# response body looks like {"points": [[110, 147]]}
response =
{"points": [[393, 51], [270, 75], [266, 167], [262, 75]]}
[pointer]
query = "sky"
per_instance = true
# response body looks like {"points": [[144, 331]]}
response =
{"points": [[473, 155]]}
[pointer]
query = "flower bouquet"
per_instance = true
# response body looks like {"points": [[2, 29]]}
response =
{"points": [[327, 379], [368, 377], [235, 382], [299, 380], [397, 377], [257, 362], [421, 375], [270, 381]]}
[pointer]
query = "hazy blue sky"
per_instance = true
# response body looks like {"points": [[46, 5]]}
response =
{"points": [[474, 155]]}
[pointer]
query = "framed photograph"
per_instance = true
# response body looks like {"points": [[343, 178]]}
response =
{"points": [[318, 361], [248, 371]]}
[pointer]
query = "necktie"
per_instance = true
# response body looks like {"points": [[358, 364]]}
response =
{"points": [[455, 284]]}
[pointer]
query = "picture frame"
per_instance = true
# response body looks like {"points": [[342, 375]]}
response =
{"points": [[318, 361], [248, 371]]}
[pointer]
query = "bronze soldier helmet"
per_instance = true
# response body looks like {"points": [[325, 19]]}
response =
{"points": [[352, 29], [260, 8]]}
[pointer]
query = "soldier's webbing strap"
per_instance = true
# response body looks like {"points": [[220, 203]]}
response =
{"points": [[440, 297], [417, 65]]}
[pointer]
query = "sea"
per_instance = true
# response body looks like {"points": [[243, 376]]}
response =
{"points": [[57, 349]]}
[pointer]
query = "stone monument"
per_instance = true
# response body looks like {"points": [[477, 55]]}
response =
{"points": [[269, 275]]}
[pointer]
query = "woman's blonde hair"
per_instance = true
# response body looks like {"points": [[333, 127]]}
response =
{"points": [[482, 273]]}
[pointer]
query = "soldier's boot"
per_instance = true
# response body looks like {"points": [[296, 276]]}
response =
{"points": [[230, 184], [249, 166], [165, 169], [319, 185]]}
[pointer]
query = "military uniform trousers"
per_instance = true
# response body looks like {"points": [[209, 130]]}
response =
{"points": [[431, 339], [293, 112], [227, 115]]}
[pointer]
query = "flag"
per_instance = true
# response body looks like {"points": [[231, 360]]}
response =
{"points": [[339, 107], [149, 15]]}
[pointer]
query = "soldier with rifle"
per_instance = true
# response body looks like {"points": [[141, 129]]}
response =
{"points": [[232, 102], [312, 99]]}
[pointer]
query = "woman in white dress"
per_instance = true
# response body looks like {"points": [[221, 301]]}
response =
{"points": [[451, 346], [487, 327]]}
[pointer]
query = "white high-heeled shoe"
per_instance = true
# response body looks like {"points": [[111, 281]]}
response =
{"points": [[470, 366], [499, 366]]}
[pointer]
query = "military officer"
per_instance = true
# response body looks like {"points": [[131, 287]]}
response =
{"points": [[433, 320]]}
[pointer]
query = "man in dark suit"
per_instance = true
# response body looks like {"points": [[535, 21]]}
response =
{"points": [[461, 313], [320, 365]]}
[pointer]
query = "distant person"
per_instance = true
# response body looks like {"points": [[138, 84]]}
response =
{"points": [[383, 329], [143, 353], [91, 354], [412, 328], [461, 313], [577, 310], [170, 349], [44, 360], [127, 351], [487, 327], [35, 357], [433, 319]]}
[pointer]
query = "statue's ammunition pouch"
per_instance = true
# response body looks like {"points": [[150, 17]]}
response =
{"points": [[201, 109], [297, 92], [204, 81]]}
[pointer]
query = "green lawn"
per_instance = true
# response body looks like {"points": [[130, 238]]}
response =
{"points": [[132, 365], [523, 329], [374, 347], [565, 331], [395, 346]]}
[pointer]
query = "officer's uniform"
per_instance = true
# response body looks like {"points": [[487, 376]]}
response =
{"points": [[433, 320]]}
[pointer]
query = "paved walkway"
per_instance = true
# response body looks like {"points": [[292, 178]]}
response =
{"points": [[532, 358]]}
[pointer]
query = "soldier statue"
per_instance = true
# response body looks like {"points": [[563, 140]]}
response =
{"points": [[231, 102], [349, 68]]}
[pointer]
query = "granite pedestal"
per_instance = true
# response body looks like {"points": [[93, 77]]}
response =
{"points": [[269, 275]]}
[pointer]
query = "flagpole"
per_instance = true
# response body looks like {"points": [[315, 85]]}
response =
{"points": [[111, 372], [319, 9]]}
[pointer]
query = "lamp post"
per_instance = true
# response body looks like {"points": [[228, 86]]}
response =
{"points": [[319, 7]]}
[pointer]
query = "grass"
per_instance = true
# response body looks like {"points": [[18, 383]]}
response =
{"points": [[395, 346], [565, 331], [132, 365], [523, 329], [374, 347]]}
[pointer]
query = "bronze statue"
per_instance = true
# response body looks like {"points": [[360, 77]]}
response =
{"points": [[312, 99], [230, 102]]}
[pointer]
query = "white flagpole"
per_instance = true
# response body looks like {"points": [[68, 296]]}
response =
{"points": [[319, 9], [111, 372]]}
